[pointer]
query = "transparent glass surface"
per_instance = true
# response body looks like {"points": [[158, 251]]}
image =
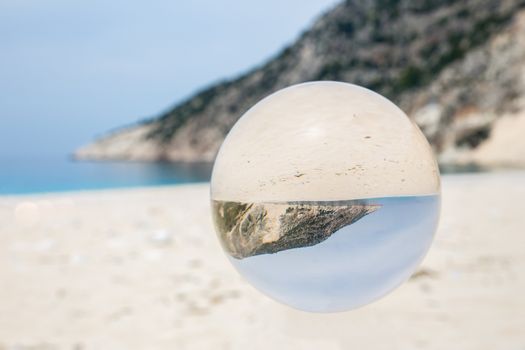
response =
{"points": [[325, 196]]}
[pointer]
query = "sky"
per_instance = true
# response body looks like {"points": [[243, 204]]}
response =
{"points": [[72, 70]]}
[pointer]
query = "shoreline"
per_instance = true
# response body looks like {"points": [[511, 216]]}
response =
{"points": [[103, 190], [444, 177]]}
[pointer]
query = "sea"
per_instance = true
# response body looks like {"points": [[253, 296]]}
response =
{"points": [[60, 173], [43, 174]]}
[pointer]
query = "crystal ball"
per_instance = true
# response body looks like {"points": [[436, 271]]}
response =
{"points": [[325, 196]]}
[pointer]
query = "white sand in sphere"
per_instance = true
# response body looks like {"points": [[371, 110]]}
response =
{"points": [[323, 141]]}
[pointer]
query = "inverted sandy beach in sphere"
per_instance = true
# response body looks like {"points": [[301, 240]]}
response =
{"points": [[323, 141]]}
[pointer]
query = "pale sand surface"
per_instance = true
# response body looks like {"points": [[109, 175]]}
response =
{"points": [[300, 159], [142, 269]]}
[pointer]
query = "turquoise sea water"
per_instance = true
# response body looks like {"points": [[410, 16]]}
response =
{"points": [[24, 175], [57, 174]]}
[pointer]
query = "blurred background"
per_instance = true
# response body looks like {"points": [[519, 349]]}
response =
{"points": [[106, 96], [72, 72]]}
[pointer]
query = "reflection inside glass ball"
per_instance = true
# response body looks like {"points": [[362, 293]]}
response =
{"points": [[325, 196]]}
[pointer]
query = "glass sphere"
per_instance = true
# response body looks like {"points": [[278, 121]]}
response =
{"points": [[325, 196]]}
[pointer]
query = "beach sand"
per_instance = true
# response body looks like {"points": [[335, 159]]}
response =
{"points": [[142, 269]]}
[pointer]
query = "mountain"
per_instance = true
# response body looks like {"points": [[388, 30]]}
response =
{"points": [[456, 67]]}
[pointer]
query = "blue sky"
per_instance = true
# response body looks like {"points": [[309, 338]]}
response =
{"points": [[71, 70]]}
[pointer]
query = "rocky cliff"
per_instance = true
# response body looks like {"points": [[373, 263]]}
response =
{"points": [[248, 229], [456, 67]]}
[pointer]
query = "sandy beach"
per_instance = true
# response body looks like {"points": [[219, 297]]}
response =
{"points": [[142, 269]]}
